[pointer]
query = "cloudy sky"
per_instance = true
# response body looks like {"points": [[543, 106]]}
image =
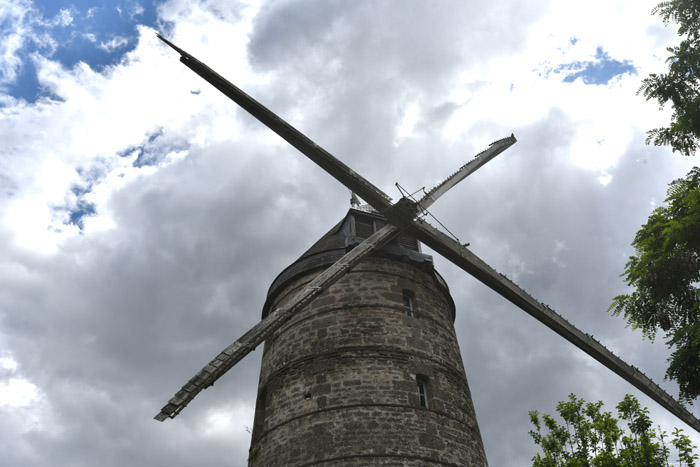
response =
{"points": [[143, 216]]}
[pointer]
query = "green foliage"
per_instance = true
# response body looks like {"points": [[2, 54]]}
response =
{"points": [[665, 274], [590, 437], [681, 85]]}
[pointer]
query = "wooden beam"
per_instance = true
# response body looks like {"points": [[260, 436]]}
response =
{"points": [[475, 266], [235, 352], [341, 172]]}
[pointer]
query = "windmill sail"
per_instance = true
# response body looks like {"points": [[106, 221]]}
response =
{"points": [[313, 151], [403, 214], [258, 333], [467, 169], [471, 263]]}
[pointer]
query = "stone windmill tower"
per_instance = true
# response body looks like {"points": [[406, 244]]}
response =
{"points": [[370, 372], [361, 364]]}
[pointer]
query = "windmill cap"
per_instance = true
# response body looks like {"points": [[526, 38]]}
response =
{"points": [[344, 236]]}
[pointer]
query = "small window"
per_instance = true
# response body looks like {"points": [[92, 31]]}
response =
{"points": [[422, 382], [363, 227], [408, 302], [409, 242]]}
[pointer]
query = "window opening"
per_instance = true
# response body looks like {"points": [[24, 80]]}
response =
{"points": [[363, 228], [422, 382], [408, 300], [409, 242]]}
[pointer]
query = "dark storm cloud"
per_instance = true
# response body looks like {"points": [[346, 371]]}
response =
{"points": [[120, 320], [418, 41], [357, 63]]}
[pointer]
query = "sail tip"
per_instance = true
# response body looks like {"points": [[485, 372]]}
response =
{"points": [[173, 46]]}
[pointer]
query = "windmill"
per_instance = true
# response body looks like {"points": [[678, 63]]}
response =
{"points": [[403, 217]]}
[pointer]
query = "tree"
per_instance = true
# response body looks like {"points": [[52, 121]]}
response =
{"points": [[590, 437], [666, 273], [681, 85]]}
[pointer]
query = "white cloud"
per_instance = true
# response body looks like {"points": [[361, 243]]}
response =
{"points": [[63, 18], [23, 25], [558, 251], [408, 122], [136, 10], [17, 392], [7, 363], [227, 422], [14, 14], [114, 43], [90, 136]]}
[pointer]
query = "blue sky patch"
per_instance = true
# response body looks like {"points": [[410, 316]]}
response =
{"points": [[598, 71], [82, 207], [152, 151], [79, 32], [82, 210]]}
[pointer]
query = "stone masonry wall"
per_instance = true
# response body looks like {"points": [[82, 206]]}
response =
{"points": [[338, 381]]}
